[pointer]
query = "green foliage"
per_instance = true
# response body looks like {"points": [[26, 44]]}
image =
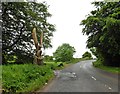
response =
{"points": [[18, 20], [0, 75], [74, 60], [48, 58], [103, 29], [25, 78], [87, 55], [94, 51], [64, 53], [98, 64], [55, 65]]}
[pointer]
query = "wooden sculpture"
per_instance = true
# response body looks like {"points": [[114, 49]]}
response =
{"points": [[38, 59]]}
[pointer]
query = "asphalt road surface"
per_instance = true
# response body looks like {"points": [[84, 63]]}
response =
{"points": [[83, 77]]}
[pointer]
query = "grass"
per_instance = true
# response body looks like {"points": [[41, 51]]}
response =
{"points": [[0, 79], [55, 65], [25, 77], [98, 64]]}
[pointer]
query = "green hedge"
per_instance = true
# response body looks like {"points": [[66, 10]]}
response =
{"points": [[25, 78]]}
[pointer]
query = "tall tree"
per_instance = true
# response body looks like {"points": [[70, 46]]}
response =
{"points": [[18, 20], [103, 29], [64, 53]]}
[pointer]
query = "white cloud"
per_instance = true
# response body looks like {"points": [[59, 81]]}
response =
{"points": [[67, 15]]}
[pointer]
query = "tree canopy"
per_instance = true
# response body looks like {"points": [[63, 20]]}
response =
{"points": [[103, 29], [18, 20], [64, 53], [48, 58], [87, 55]]}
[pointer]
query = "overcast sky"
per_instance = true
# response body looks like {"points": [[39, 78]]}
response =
{"points": [[67, 15]]}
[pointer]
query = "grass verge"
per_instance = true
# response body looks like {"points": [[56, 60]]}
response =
{"points": [[98, 64], [0, 79], [25, 78]]}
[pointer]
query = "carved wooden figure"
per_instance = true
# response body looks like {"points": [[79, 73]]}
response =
{"points": [[38, 59]]}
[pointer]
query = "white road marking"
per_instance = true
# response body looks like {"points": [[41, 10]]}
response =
{"points": [[80, 66], [109, 88], [73, 73], [94, 78]]}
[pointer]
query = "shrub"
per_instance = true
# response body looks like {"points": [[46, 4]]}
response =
{"points": [[97, 63], [60, 65], [64, 53]]}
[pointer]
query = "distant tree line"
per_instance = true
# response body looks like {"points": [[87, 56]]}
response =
{"points": [[64, 53]]}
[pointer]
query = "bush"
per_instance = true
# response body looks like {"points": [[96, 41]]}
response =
{"points": [[64, 53], [60, 65], [48, 58], [97, 63], [55, 65], [25, 78]]}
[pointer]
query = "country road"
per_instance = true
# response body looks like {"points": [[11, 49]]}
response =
{"points": [[83, 77]]}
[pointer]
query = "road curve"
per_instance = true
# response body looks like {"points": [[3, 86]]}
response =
{"points": [[87, 79]]}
